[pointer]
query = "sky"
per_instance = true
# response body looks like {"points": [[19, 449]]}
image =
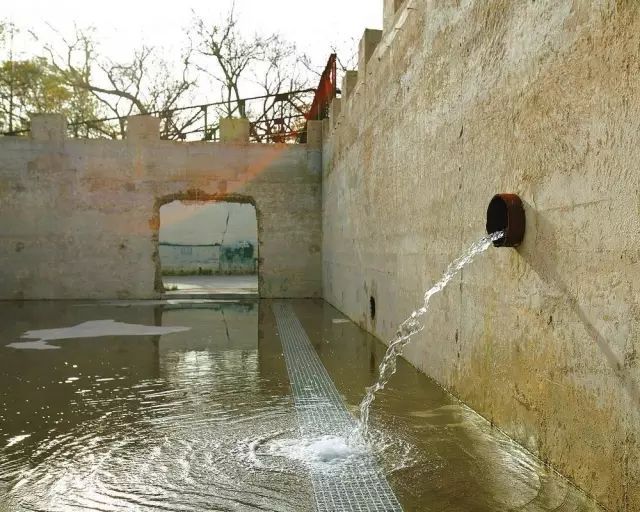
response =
{"points": [[123, 24]]}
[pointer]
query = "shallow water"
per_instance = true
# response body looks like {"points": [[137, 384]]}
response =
{"points": [[202, 418]]}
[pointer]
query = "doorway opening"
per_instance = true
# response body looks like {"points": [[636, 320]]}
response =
{"points": [[208, 248]]}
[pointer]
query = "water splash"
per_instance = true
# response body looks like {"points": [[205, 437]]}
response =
{"points": [[411, 325]]}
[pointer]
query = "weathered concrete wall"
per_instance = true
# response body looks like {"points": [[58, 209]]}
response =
{"points": [[80, 218], [189, 258], [461, 100]]}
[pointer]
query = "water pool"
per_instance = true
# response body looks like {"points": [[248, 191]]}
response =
{"points": [[197, 413]]}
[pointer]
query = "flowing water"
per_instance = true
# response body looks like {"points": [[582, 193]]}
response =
{"points": [[411, 325]]}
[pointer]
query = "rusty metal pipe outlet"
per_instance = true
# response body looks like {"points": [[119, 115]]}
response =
{"points": [[506, 213]]}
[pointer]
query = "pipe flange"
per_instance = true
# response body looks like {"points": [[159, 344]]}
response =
{"points": [[506, 213]]}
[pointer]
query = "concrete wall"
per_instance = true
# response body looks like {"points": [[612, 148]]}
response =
{"points": [[459, 101], [80, 218], [189, 258], [239, 258]]}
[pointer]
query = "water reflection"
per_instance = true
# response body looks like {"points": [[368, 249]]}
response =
{"points": [[148, 421]]}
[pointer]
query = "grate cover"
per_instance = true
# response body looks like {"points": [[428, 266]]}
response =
{"points": [[355, 485]]}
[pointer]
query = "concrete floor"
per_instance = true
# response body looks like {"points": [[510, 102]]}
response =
{"points": [[205, 286]]}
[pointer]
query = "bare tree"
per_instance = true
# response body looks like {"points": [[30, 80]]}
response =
{"points": [[346, 61], [282, 112], [143, 85], [232, 55], [265, 63], [218, 53]]}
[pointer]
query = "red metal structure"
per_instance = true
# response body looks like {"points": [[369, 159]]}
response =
{"points": [[326, 91]]}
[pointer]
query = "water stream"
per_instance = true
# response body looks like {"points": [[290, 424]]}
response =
{"points": [[411, 325]]}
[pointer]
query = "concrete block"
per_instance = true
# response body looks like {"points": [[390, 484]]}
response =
{"points": [[389, 11], [48, 127], [314, 147], [334, 111], [326, 128], [368, 43], [349, 82], [143, 128], [234, 130], [314, 134]]}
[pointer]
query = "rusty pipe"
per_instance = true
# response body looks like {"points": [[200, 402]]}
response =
{"points": [[506, 213]]}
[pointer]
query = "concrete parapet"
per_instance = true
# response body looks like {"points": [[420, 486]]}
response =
{"points": [[141, 128], [314, 134], [368, 43], [314, 147], [349, 82], [48, 127], [234, 130], [334, 111]]}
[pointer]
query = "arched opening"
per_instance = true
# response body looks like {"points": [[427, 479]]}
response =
{"points": [[207, 245]]}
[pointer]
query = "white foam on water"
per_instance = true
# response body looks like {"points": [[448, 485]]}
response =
{"points": [[91, 329], [340, 321], [324, 450], [16, 440]]}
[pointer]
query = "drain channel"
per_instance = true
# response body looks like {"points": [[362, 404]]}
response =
{"points": [[356, 485]]}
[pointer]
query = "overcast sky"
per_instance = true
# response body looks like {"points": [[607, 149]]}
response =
{"points": [[122, 24]]}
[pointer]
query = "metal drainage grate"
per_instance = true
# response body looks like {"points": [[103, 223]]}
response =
{"points": [[355, 485]]}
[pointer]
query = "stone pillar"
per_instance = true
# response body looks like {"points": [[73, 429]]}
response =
{"points": [[326, 128], [389, 12], [48, 127], [143, 128], [334, 111], [314, 146], [368, 43], [314, 134], [349, 82], [234, 130]]}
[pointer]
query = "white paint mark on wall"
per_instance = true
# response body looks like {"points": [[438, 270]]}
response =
{"points": [[91, 329]]}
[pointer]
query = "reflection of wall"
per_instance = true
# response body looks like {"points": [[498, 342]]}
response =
{"points": [[466, 100], [189, 258], [217, 327]]}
